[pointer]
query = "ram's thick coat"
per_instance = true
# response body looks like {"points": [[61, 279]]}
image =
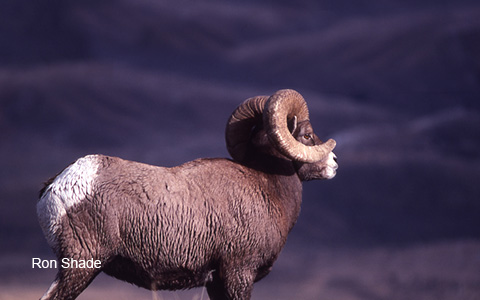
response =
{"points": [[217, 223]]}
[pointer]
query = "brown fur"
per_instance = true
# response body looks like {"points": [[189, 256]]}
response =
{"points": [[209, 222]]}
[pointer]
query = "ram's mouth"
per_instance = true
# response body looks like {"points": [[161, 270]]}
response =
{"points": [[331, 169]]}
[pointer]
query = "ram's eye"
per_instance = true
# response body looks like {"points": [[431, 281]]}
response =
{"points": [[307, 136]]}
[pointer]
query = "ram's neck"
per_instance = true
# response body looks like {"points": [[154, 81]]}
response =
{"points": [[284, 182], [289, 190]]}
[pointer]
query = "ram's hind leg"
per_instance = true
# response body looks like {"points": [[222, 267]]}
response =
{"points": [[69, 283], [77, 266]]}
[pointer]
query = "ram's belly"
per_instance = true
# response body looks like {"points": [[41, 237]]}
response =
{"points": [[157, 277], [164, 252]]}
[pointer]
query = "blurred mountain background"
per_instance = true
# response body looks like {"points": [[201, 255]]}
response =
{"points": [[396, 83]]}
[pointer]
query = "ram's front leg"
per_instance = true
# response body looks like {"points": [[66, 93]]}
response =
{"points": [[231, 284]]}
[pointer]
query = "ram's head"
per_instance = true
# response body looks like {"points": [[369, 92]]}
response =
{"points": [[280, 124]]}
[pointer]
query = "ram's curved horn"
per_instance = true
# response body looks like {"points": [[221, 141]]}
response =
{"points": [[281, 107], [239, 126], [274, 112]]}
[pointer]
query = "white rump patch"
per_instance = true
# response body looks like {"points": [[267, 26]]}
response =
{"points": [[68, 189]]}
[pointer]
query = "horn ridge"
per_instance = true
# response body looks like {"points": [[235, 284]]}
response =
{"points": [[239, 126]]}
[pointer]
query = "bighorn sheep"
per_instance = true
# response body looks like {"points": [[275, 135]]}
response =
{"points": [[218, 223]]}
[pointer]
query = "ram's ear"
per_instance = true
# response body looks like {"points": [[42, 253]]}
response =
{"points": [[292, 124]]}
